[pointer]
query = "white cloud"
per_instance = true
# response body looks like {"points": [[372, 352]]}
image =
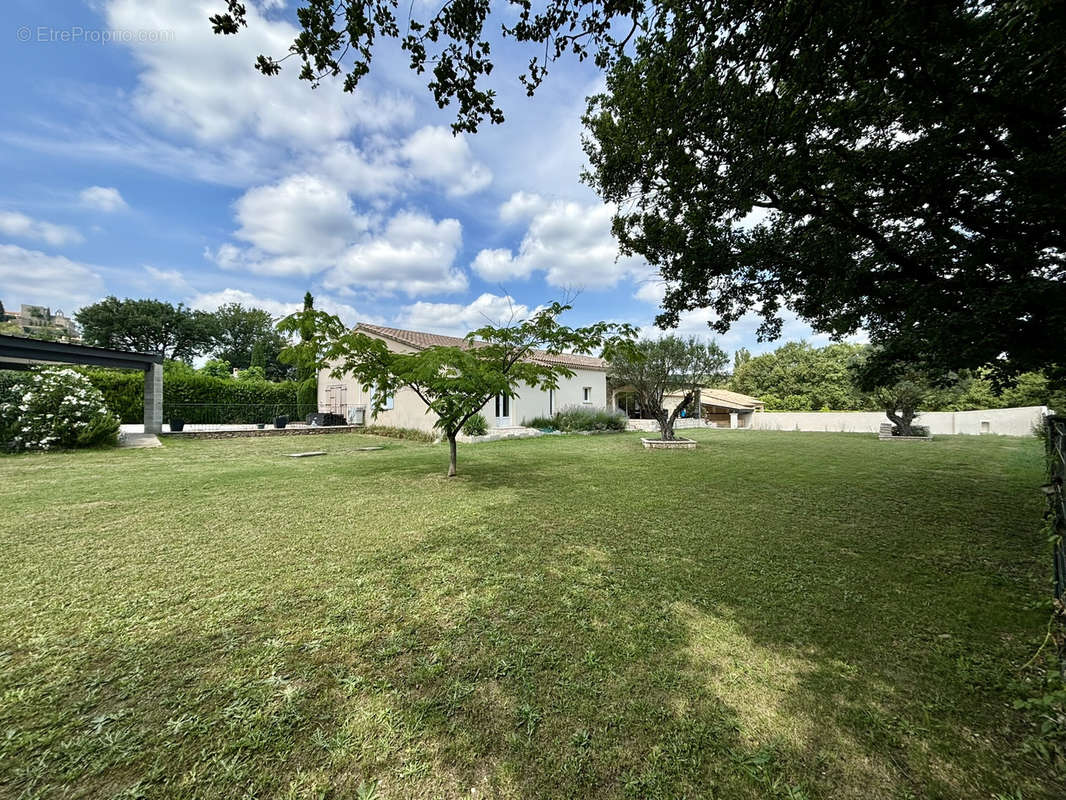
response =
{"points": [[102, 198], [202, 85], [413, 254], [434, 154], [20, 226], [299, 225], [171, 278], [521, 206], [304, 225], [36, 278], [209, 301], [370, 171], [457, 319], [568, 241]]}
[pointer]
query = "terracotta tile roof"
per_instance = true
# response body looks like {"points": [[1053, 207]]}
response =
{"points": [[420, 340]]}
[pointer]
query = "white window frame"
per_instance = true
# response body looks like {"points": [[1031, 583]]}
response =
{"points": [[586, 395]]}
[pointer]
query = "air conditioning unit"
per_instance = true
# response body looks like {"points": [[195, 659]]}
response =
{"points": [[357, 416]]}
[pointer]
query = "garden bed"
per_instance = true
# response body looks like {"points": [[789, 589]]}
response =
{"points": [[668, 444]]}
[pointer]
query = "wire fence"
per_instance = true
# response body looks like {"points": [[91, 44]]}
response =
{"points": [[208, 414]]}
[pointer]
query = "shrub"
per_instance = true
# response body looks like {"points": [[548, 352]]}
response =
{"points": [[57, 409], [581, 418], [199, 398], [541, 423], [475, 426]]}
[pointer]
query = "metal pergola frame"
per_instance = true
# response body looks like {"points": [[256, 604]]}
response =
{"points": [[19, 352]]}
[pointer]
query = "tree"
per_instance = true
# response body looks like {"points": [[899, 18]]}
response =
{"points": [[799, 377], [246, 337], [149, 326], [217, 368], [455, 383], [900, 158], [901, 402], [904, 158], [668, 365]]}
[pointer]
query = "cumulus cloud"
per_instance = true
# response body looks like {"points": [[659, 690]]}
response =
{"points": [[304, 225], [414, 254], [457, 319], [209, 301], [199, 84], [30, 276], [20, 226], [435, 155], [571, 243], [102, 198]]}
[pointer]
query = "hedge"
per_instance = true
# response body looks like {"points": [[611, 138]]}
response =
{"points": [[202, 399]]}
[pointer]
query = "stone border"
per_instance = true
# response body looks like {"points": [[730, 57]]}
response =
{"points": [[673, 444], [309, 430]]}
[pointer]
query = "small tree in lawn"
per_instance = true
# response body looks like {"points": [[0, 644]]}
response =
{"points": [[455, 383], [902, 400], [657, 367]]}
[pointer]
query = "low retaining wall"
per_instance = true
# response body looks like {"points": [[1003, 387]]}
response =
{"points": [[652, 425], [256, 432], [1002, 421]]}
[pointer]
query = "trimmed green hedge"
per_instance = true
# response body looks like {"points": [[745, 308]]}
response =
{"points": [[202, 399]]}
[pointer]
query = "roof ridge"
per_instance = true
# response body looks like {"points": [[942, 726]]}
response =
{"points": [[423, 339]]}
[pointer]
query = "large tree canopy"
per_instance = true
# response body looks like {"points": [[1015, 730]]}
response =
{"points": [[246, 337], [148, 326], [905, 161]]}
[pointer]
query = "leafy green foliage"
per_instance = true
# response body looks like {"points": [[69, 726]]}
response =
{"points": [[541, 423], [147, 326], [798, 377], [56, 409], [392, 432], [246, 337], [455, 383], [905, 164], [453, 44], [477, 425], [657, 367], [581, 418], [217, 368], [199, 398]]}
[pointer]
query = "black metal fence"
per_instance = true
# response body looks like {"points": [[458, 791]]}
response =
{"points": [[1056, 448], [235, 414]]}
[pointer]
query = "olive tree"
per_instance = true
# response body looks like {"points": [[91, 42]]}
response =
{"points": [[653, 368]]}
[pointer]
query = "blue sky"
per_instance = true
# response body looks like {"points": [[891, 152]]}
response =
{"points": [[163, 165]]}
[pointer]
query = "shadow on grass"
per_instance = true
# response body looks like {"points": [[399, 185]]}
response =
{"points": [[552, 647]]}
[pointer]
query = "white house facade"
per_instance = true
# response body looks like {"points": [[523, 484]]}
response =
{"points": [[344, 396]]}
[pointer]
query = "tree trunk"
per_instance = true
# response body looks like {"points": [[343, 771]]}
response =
{"points": [[666, 429], [451, 454], [903, 420]]}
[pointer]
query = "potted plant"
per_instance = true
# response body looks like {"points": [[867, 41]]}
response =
{"points": [[281, 422], [177, 424]]}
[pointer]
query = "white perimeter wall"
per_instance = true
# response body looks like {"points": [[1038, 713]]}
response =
{"points": [[1002, 421]]}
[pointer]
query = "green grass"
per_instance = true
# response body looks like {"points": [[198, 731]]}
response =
{"points": [[771, 615]]}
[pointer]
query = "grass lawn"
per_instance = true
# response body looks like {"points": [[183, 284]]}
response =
{"points": [[790, 615]]}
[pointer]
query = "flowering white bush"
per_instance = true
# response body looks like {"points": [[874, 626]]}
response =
{"points": [[56, 409]]}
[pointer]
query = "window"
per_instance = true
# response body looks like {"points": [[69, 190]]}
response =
{"points": [[503, 406], [586, 394], [390, 403], [551, 402]]}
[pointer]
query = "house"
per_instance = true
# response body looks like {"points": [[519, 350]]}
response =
{"points": [[344, 396], [720, 407]]}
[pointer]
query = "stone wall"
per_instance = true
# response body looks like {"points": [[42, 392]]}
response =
{"points": [[257, 432], [1002, 421]]}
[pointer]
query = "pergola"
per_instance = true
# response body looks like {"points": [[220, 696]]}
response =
{"points": [[17, 352]]}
